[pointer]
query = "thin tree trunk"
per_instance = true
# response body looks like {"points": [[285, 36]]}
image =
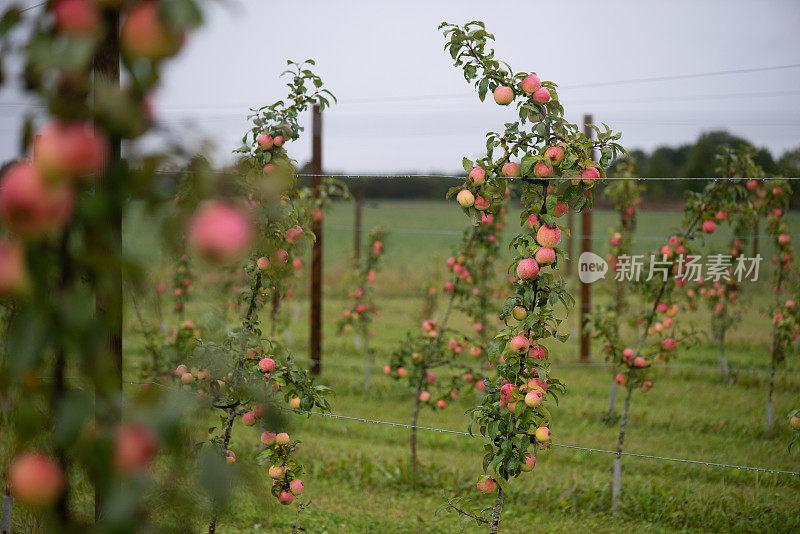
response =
{"points": [[616, 483], [619, 298], [724, 368], [212, 524], [612, 397], [494, 528], [5, 517], [423, 376], [367, 363], [276, 304], [60, 387], [414, 428], [773, 361], [5, 400], [769, 399]]}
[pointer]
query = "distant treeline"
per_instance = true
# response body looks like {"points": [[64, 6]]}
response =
{"points": [[696, 160]]}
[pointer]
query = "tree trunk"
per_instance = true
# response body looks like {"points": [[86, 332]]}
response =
{"points": [[494, 528], [616, 483], [724, 368], [367, 363], [773, 362], [612, 397], [423, 375], [276, 304], [212, 524], [414, 417], [5, 400], [5, 516], [768, 428]]}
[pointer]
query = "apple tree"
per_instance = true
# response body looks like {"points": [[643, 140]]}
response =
{"points": [[358, 316], [61, 209], [661, 333], [557, 171], [626, 196], [459, 358]]}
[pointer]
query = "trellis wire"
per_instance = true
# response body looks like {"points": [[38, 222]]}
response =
{"points": [[678, 367], [511, 178], [378, 176], [562, 445], [573, 236], [586, 364], [575, 447]]}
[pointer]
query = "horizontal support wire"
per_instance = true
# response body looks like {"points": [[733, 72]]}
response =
{"points": [[562, 445], [378, 176], [511, 178], [573, 236], [579, 365], [574, 447]]}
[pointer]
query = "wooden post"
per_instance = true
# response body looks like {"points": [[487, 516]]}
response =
{"points": [[316, 255], [359, 207], [586, 245]]}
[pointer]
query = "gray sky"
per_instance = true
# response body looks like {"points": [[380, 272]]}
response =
{"points": [[368, 51]]}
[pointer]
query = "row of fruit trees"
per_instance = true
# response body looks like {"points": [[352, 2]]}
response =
{"points": [[63, 268]]}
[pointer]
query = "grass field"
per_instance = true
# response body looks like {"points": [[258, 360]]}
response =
{"points": [[358, 479]]}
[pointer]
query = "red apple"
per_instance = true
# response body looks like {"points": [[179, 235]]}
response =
{"points": [[35, 480], [29, 205], [512, 169], [487, 486], [548, 236], [76, 17], [531, 84], [503, 95], [527, 269], [144, 33], [542, 95], [135, 446], [542, 170], [220, 232], [465, 198], [265, 141], [556, 154], [478, 176]]}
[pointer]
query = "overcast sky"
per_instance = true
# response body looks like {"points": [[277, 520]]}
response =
{"points": [[369, 52]]}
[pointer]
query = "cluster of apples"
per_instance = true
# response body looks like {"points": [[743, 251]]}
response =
{"points": [[361, 309], [210, 387], [531, 86], [280, 256], [616, 240], [143, 33], [38, 195], [547, 239], [664, 329], [718, 293], [285, 485]]}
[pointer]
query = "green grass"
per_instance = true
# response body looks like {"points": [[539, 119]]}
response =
{"points": [[358, 472], [358, 479]]}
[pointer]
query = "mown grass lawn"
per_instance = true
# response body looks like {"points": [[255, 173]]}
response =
{"points": [[358, 478]]}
